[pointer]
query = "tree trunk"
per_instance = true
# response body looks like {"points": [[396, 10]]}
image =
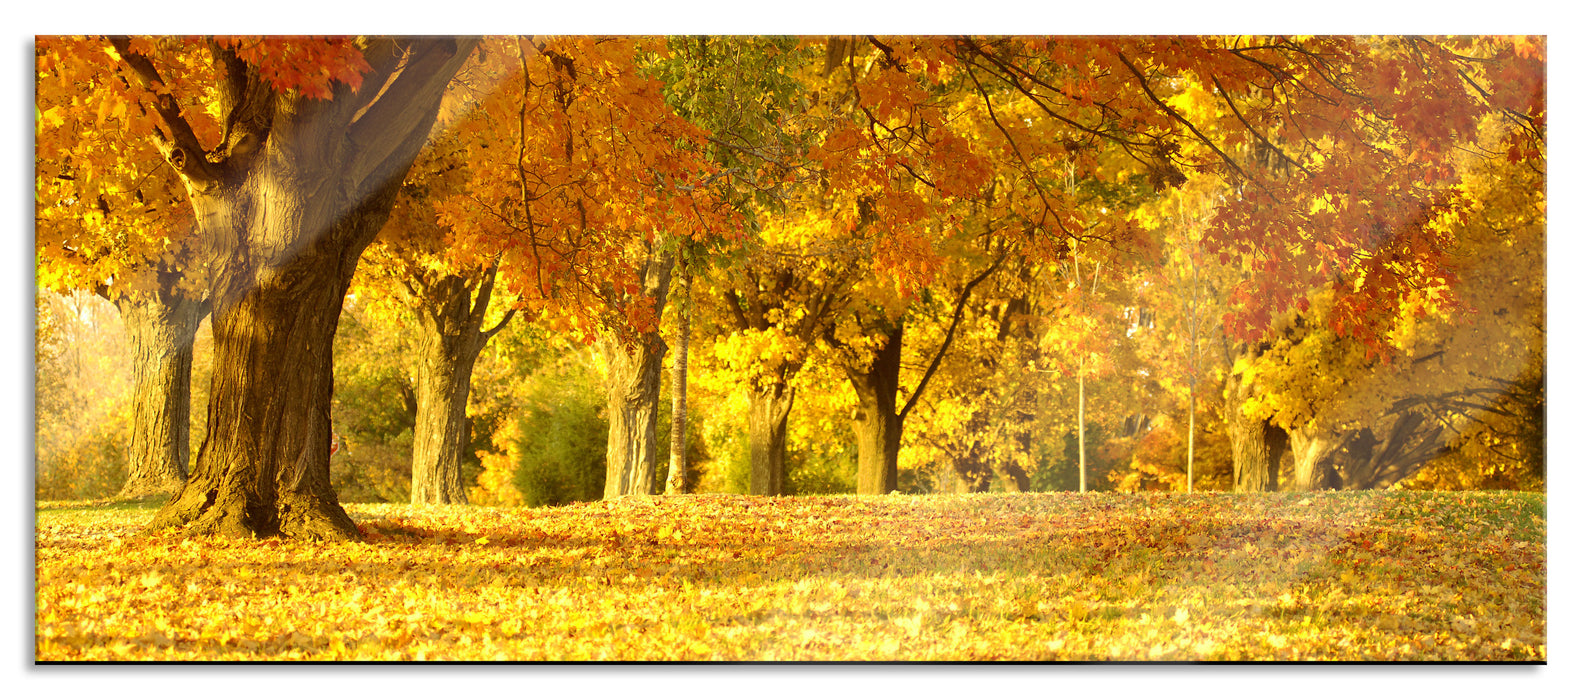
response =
{"points": [[162, 333], [1191, 436], [875, 422], [452, 338], [1313, 471], [1256, 444], [1082, 433], [1019, 476], [288, 204], [676, 482], [635, 369], [264, 465], [972, 458], [633, 395], [768, 409]]}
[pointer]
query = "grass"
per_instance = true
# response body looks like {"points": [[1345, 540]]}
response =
{"points": [[1037, 577]]}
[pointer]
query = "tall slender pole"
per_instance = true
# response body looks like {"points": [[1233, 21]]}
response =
{"points": [[1192, 330], [1082, 438], [1191, 434], [1082, 395]]}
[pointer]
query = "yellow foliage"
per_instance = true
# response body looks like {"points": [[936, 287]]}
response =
{"points": [[970, 578], [497, 482]]}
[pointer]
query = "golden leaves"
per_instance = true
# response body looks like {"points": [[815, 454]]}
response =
{"points": [[1049, 576]]}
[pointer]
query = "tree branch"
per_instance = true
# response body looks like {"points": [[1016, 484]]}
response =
{"points": [[1142, 82], [944, 345], [392, 129], [185, 153]]}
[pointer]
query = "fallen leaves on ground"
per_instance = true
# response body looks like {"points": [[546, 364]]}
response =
{"points": [[1331, 576]]}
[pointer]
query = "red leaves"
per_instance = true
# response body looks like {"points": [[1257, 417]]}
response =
{"points": [[309, 65]]}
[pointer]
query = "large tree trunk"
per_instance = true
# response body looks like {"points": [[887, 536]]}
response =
{"points": [[162, 329], [633, 395], [264, 466], [1256, 444], [635, 369], [875, 422], [453, 336], [1313, 471], [288, 204], [768, 408]]}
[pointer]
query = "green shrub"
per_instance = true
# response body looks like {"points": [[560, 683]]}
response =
{"points": [[561, 439], [821, 467]]}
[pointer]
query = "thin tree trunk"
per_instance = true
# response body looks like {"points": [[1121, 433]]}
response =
{"points": [[1082, 433], [768, 409], [162, 333], [1191, 435], [635, 371], [676, 482]]}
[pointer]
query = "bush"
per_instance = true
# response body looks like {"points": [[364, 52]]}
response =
{"points": [[93, 465], [560, 439], [822, 468]]}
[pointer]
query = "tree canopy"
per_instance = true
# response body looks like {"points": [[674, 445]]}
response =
{"points": [[1016, 262]]}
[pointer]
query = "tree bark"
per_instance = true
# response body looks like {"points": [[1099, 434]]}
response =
{"points": [[162, 328], [1311, 446], [768, 409], [635, 370], [452, 338], [875, 422], [288, 204], [264, 465], [1256, 444], [676, 482], [1191, 436], [1082, 432]]}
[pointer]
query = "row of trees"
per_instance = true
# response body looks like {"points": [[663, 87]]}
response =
{"points": [[963, 231]]}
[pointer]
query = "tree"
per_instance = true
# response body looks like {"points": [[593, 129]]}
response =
{"points": [[108, 219], [581, 177], [290, 151], [162, 330], [676, 480], [751, 94], [421, 265], [1456, 358]]}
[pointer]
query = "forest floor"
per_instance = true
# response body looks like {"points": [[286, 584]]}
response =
{"points": [[1036, 577]]}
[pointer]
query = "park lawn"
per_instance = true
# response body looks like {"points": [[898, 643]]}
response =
{"points": [[1037, 577]]}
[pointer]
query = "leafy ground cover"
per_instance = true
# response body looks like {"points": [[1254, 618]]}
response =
{"points": [[1329, 576]]}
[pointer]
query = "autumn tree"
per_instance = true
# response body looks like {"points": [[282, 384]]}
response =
{"points": [[580, 178], [290, 152], [108, 218], [448, 290], [774, 294], [1458, 352], [1312, 135]]}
